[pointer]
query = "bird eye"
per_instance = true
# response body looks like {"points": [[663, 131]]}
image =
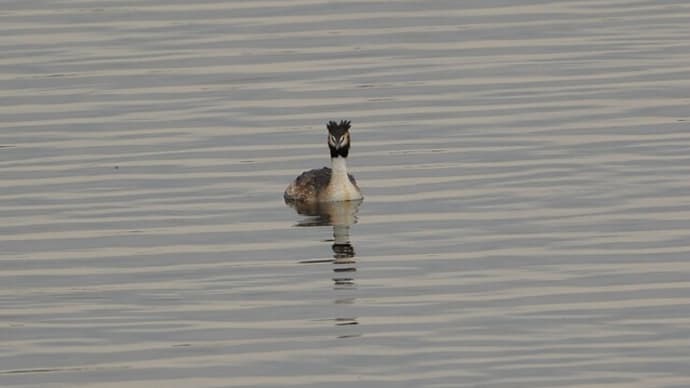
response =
{"points": [[333, 139]]}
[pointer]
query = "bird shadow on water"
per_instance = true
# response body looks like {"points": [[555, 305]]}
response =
{"points": [[341, 216]]}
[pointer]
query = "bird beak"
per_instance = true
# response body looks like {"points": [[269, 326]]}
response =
{"points": [[341, 142]]}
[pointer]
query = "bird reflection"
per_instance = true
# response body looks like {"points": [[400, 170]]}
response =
{"points": [[339, 215]]}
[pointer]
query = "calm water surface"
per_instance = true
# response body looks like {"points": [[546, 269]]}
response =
{"points": [[525, 165]]}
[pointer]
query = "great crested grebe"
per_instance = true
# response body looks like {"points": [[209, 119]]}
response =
{"points": [[328, 184]]}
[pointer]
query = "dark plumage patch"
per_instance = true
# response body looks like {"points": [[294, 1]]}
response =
{"points": [[338, 129], [343, 152], [309, 185]]}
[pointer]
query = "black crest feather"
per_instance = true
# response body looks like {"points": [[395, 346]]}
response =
{"points": [[338, 129]]}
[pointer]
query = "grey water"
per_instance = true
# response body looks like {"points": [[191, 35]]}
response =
{"points": [[525, 166]]}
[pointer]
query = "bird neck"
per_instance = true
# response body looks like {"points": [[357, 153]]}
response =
{"points": [[341, 187], [339, 166]]}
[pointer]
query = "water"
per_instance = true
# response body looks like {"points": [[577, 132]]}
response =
{"points": [[525, 168]]}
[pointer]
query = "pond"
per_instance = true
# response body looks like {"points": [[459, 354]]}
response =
{"points": [[525, 169]]}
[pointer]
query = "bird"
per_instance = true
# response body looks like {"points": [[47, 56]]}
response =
{"points": [[328, 184]]}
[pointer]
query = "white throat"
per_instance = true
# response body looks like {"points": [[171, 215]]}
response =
{"points": [[340, 188], [339, 166]]}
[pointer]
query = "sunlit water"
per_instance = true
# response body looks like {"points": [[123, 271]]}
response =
{"points": [[525, 166]]}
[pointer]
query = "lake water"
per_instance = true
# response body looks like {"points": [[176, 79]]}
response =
{"points": [[525, 166]]}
